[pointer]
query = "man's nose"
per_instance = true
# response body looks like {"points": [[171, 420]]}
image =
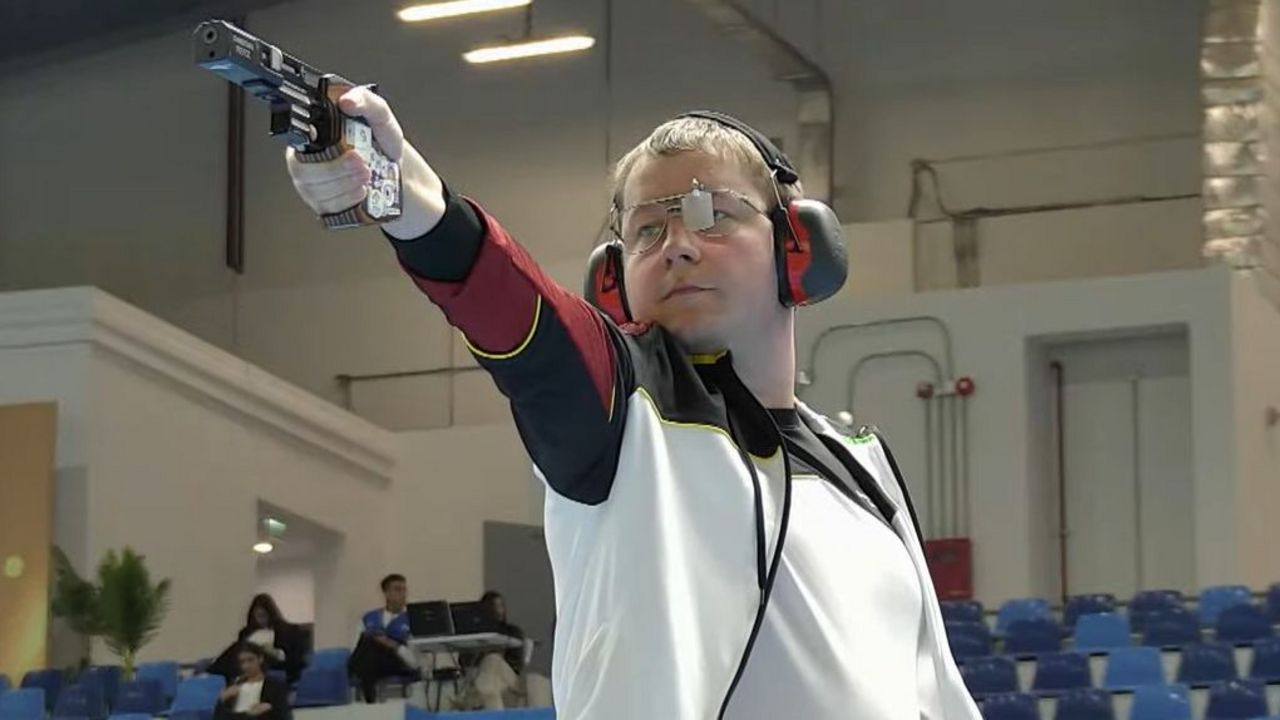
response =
{"points": [[680, 243]]}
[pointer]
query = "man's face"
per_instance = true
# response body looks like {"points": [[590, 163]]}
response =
{"points": [[707, 291], [396, 593]]}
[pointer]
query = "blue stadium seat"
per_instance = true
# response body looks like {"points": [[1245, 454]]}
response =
{"points": [[967, 647], [48, 680], [1061, 671], [963, 611], [322, 687], [1026, 638], [1204, 663], [1010, 706], [144, 695], [968, 640], [166, 672], [106, 677], [1133, 667], [990, 676], [1266, 661], [1171, 628], [82, 700], [1102, 631], [1161, 702], [1084, 704], [1243, 624], [1273, 602], [197, 696], [330, 658], [1236, 700], [1021, 609], [23, 704], [1080, 605], [1146, 602], [1213, 600]]}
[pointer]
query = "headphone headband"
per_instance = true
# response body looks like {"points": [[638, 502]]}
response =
{"points": [[781, 166]]}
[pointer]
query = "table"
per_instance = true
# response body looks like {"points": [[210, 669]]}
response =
{"points": [[473, 642], [452, 645]]}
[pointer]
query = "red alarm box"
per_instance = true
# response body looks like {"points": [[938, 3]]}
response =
{"points": [[951, 564]]}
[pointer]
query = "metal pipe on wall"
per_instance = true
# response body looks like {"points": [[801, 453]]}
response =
{"points": [[1060, 435], [944, 469], [967, 508], [944, 453], [851, 394], [954, 402], [852, 380], [942, 459], [1135, 389], [810, 372], [928, 465]]}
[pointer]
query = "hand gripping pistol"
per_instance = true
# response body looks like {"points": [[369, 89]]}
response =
{"points": [[304, 110]]}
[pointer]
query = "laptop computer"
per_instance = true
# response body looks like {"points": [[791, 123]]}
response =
{"points": [[430, 619], [472, 617]]}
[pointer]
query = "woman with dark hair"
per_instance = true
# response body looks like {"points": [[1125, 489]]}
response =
{"points": [[253, 695], [496, 605], [265, 627], [498, 681]]}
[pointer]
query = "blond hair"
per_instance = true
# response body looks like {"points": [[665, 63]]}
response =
{"points": [[695, 134]]}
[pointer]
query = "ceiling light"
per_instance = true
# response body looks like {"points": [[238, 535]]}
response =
{"points": [[529, 48], [438, 10], [262, 548]]}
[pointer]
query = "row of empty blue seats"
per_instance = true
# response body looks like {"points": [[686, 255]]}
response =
{"points": [[1126, 669], [159, 679], [88, 700], [1211, 602], [1231, 700], [1240, 624]]}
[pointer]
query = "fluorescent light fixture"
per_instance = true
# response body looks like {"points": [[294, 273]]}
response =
{"points": [[531, 48], [262, 548], [438, 10]]}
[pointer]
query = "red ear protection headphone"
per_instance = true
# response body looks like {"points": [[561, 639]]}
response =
{"points": [[810, 256]]}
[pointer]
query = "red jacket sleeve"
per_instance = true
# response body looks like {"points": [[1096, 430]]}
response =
{"points": [[562, 364]]}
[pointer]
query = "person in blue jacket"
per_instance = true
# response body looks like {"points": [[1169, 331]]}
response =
{"points": [[383, 646]]}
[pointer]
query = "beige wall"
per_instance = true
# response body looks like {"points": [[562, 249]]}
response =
{"points": [[179, 479], [1256, 329], [179, 443], [993, 330], [449, 483]]}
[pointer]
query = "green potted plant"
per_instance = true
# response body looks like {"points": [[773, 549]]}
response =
{"points": [[122, 607]]}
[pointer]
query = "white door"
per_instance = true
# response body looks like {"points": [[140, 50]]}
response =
{"points": [[1127, 445]]}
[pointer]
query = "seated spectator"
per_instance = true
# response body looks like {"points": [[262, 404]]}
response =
{"points": [[280, 640], [252, 694], [382, 649], [499, 681]]}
